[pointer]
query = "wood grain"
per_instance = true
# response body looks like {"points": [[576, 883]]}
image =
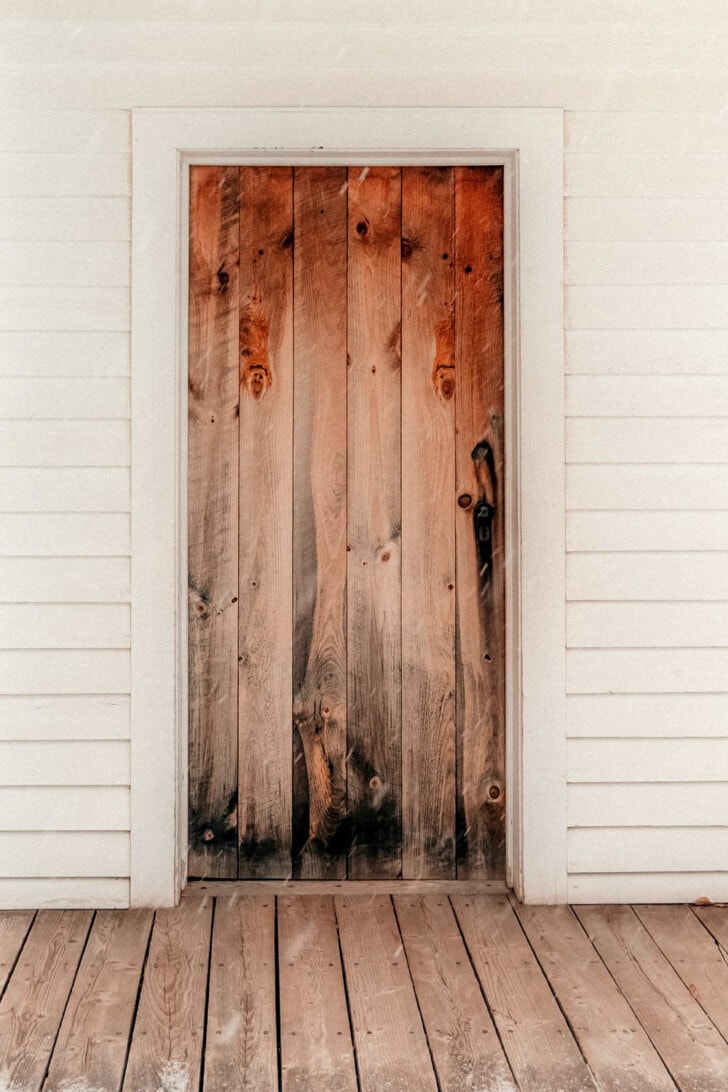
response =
{"points": [[691, 1047], [374, 523], [93, 1040], [428, 523], [319, 523], [465, 1047], [14, 927], [265, 538], [480, 522], [315, 1038], [32, 1006], [535, 1035], [166, 1048], [610, 1037], [390, 1042], [694, 954], [213, 520], [240, 1048]]}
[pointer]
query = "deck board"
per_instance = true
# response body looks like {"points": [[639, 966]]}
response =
{"points": [[33, 1004], [316, 1047], [691, 1046], [420, 991], [92, 1041]]}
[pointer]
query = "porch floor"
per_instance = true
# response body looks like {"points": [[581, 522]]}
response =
{"points": [[388, 994]]}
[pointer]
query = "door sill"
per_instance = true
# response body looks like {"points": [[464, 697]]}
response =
{"points": [[344, 887]]}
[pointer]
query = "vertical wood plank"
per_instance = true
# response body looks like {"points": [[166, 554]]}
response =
{"points": [[428, 524], [213, 520], [389, 1038], [480, 585], [374, 523], [240, 1050], [462, 1038], [535, 1035], [166, 1045], [265, 542], [94, 1038], [316, 1047], [319, 523], [33, 1003]]}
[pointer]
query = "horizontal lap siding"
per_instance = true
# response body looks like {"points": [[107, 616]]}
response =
{"points": [[65, 454], [646, 272]]}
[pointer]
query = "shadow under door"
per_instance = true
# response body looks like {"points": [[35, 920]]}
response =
{"points": [[346, 580]]}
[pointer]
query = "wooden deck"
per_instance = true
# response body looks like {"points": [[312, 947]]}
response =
{"points": [[332, 994]]}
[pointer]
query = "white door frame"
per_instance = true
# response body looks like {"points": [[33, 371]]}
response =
{"points": [[529, 143]]}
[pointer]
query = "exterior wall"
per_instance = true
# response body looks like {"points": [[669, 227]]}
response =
{"points": [[646, 247]]}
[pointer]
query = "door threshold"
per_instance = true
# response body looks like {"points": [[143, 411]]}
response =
{"points": [[344, 887]]}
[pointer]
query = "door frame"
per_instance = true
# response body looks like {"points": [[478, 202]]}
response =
{"points": [[529, 144]]}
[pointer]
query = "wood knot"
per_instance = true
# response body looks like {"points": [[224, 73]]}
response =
{"points": [[465, 500], [362, 228], [494, 792], [223, 278], [208, 835], [255, 371], [374, 783]]}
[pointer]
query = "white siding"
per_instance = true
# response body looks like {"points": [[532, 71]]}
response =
{"points": [[646, 248]]}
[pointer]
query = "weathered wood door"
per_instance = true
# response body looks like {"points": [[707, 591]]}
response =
{"points": [[346, 522]]}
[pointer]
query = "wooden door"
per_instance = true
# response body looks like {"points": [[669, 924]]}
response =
{"points": [[346, 522]]}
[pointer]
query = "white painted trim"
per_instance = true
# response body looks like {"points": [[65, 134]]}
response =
{"points": [[530, 144]]}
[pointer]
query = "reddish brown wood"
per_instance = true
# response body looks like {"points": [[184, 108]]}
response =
{"points": [[480, 583], [374, 524], [428, 524], [265, 538], [319, 523], [213, 521]]}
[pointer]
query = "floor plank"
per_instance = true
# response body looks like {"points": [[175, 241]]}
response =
{"points": [[715, 920], [464, 1043], [316, 1047], [32, 1007], [166, 1046], [241, 1023], [694, 954], [537, 1040], [14, 926], [611, 1038], [93, 1040], [692, 1048], [391, 1048]]}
